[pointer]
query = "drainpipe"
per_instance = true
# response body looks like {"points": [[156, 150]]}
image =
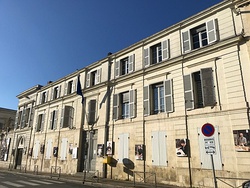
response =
{"points": [[187, 134], [106, 132]]}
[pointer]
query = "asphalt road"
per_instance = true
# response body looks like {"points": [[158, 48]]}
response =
{"points": [[13, 180]]}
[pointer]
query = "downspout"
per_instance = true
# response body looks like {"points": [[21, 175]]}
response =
{"points": [[31, 129], [106, 131], [185, 114], [45, 136]]}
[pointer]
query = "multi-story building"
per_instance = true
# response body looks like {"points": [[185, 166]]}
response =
{"points": [[167, 104], [7, 120]]}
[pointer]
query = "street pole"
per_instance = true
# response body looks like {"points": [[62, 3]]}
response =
{"points": [[215, 181]]}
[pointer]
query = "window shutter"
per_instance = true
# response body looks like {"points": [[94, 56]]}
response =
{"points": [[65, 88], [47, 96], [71, 117], [125, 145], [162, 149], [211, 31], [146, 104], [131, 63], [74, 86], [23, 118], [155, 148], [36, 126], [186, 43], [52, 94], [188, 89], [98, 76], [208, 91], [120, 149], [88, 80], [41, 97], [165, 49], [36, 149], [115, 106], [168, 89], [51, 119], [55, 119], [132, 102], [66, 116], [16, 119], [62, 118], [146, 57], [48, 149], [117, 68], [92, 112], [42, 124], [64, 146], [59, 91]]}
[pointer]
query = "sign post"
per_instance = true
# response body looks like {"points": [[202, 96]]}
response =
{"points": [[208, 131]]}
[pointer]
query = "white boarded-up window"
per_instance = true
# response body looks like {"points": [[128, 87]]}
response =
{"points": [[36, 149], [123, 147], [206, 162], [63, 148], [159, 148], [48, 149]]}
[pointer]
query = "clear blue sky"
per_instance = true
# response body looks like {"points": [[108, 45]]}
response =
{"points": [[42, 40]]}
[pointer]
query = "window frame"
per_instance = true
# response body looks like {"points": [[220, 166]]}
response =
{"points": [[148, 97], [118, 105], [211, 32], [207, 88], [165, 53]]}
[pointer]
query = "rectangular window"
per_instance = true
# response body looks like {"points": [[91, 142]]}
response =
{"points": [[159, 148], [40, 122], [124, 105], [199, 89], [92, 112], [124, 66], [27, 116], [199, 36], [43, 100], [67, 117], [56, 92], [70, 87], [157, 53], [53, 119], [158, 98], [93, 78]]}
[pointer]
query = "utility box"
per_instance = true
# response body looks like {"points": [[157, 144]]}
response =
{"points": [[107, 159]]}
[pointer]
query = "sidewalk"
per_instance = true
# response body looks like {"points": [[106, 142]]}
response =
{"points": [[95, 182]]}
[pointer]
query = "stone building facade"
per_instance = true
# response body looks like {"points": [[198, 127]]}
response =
{"points": [[7, 120], [163, 105]]}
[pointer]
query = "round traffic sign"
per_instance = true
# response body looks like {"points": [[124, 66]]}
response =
{"points": [[207, 129]]}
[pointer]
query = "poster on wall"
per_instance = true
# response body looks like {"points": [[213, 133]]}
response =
{"points": [[242, 140], [70, 148], [74, 153], [139, 152], [181, 147], [109, 148], [100, 148]]}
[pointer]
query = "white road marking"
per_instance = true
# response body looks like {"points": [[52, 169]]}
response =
{"points": [[27, 183], [42, 182], [2, 186], [54, 181], [12, 184]]}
